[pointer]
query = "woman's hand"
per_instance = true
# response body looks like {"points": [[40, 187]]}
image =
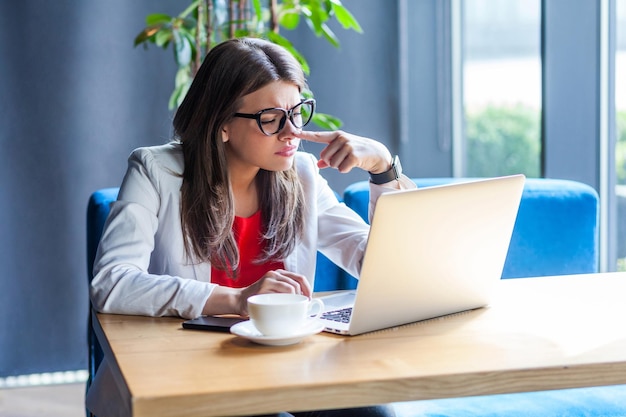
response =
{"points": [[275, 281], [345, 151], [225, 300]]}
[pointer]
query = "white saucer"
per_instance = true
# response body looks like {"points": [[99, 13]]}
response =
{"points": [[247, 330]]}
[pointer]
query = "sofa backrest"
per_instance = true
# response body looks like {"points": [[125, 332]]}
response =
{"points": [[556, 231]]}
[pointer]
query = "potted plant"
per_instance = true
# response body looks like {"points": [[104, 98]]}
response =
{"points": [[205, 23]]}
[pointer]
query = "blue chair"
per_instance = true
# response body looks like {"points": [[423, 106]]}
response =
{"points": [[97, 213]]}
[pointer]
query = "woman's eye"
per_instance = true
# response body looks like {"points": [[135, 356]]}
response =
{"points": [[268, 121]]}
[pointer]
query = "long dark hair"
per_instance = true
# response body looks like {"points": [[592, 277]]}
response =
{"points": [[230, 71]]}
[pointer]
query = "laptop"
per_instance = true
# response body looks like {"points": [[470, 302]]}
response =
{"points": [[431, 252]]}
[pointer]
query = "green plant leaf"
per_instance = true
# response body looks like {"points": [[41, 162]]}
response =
{"points": [[182, 83], [290, 20], [314, 18], [147, 35], [182, 76], [258, 9], [326, 121], [242, 33], [190, 36], [163, 37], [306, 93], [330, 36], [182, 49], [176, 98], [158, 18], [191, 8], [344, 17]]}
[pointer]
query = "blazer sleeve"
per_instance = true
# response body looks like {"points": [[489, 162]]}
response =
{"points": [[122, 283]]}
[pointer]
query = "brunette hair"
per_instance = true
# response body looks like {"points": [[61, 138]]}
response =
{"points": [[231, 70]]}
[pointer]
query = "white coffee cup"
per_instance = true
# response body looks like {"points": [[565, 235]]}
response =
{"points": [[282, 314]]}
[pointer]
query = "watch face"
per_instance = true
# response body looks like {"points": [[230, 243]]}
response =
{"points": [[397, 167]]}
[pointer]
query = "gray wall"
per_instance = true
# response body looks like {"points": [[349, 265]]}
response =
{"points": [[75, 99]]}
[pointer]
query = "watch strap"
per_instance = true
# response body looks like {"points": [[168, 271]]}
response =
{"points": [[392, 174]]}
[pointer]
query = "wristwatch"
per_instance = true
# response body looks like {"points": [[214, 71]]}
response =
{"points": [[392, 174]]}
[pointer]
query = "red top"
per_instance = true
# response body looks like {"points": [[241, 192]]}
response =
{"points": [[247, 232]]}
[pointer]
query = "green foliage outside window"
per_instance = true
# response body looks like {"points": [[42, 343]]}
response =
{"points": [[503, 141], [620, 148], [620, 167]]}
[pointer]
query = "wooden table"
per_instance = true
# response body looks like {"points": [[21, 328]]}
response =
{"points": [[538, 334]]}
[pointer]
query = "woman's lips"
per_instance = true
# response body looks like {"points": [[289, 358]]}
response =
{"points": [[287, 151]]}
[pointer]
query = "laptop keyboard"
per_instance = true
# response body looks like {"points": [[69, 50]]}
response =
{"points": [[341, 315]]}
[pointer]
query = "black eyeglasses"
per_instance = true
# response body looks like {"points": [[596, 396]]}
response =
{"points": [[272, 121]]}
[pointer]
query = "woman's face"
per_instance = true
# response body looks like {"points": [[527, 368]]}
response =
{"points": [[247, 148]]}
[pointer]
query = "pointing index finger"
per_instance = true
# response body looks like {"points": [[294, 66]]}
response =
{"points": [[319, 137]]}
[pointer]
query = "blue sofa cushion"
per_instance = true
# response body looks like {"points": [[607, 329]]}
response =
{"points": [[328, 276], [556, 231]]}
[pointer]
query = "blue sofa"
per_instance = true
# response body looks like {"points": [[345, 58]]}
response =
{"points": [[556, 233]]}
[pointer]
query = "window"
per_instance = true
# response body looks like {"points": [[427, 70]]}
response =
{"points": [[493, 88], [502, 87], [620, 149]]}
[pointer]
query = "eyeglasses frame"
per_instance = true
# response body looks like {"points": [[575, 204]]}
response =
{"points": [[287, 114]]}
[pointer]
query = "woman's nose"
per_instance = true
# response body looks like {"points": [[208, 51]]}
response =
{"points": [[289, 131]]}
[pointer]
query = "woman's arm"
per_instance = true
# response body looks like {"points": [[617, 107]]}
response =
{"points": [[122, 282]]}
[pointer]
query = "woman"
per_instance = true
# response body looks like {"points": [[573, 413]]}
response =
{"points": [[232, 209]]}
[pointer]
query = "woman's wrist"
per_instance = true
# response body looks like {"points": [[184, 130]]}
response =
{"points": [[223, 300], [392, 173], [379, 159]]}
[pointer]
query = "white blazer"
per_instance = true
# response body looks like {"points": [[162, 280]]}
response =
{"points": [[141, 266]]}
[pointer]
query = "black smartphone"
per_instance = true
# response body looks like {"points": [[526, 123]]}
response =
{"points": [[212, 323]]}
